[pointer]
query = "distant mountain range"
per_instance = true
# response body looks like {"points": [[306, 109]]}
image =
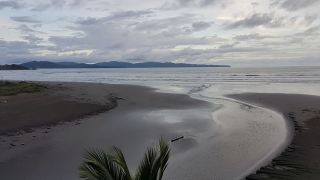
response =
{"points": [[111, 64]]}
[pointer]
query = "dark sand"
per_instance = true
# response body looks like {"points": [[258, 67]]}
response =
{"points": [[301, 160], [23, 112], [55, 153], [71, 101]]}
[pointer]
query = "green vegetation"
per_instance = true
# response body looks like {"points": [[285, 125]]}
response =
{"points": [[99, 165], [12, 88]]}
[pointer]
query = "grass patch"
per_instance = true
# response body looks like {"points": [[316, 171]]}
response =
{"points": [[13, 88]]}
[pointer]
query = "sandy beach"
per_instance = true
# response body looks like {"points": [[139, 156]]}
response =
{"points": [[301, 159], [54, 152], [222, 139], [21, 113]]}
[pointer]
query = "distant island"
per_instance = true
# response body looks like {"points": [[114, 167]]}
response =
{"points": [[13, 67], [111, 64]]}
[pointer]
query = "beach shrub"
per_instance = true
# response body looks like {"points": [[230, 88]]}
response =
{"points": [[98, 165], [8, 88]]}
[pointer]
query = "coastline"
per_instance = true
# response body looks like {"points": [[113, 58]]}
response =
{"points": [[300, 160]]}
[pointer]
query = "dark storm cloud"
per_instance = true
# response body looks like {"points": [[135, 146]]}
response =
{"points": [[25, 19], [10, 4], [293, 5]]}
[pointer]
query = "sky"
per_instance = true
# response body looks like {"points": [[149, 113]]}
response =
{"points": [[234, 32]]}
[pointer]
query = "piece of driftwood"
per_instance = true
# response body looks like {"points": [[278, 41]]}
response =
{"points": [[176, 139]]}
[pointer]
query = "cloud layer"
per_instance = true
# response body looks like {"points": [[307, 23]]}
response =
{"points": [[192, 31]]}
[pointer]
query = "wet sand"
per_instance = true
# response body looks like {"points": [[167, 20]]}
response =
{"points": [[54, 152], [222, 139], [301, 159]]}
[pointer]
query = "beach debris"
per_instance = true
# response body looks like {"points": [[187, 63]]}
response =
{"points": [[121, 98], [177, 139]]}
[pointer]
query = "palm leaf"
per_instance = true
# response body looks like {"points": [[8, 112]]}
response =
{"points": [[119, 159], [154, 163], [99, 166], [162, 161], [145, 168]]}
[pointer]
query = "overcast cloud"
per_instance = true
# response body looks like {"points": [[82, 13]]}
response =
{"points": [[191, 31], [9, 4]]}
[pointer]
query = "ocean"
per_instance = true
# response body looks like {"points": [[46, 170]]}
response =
{"points": [[301, 80]]}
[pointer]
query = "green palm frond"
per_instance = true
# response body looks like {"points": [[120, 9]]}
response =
{"points": [[163, 158], [119, 159], [154, 163], [144, 170], [98, 165]]}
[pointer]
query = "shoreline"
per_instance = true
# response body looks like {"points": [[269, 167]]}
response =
{"points": [[300, 159]]}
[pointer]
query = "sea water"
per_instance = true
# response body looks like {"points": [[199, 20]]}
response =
{"points": [[302, 80]]}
